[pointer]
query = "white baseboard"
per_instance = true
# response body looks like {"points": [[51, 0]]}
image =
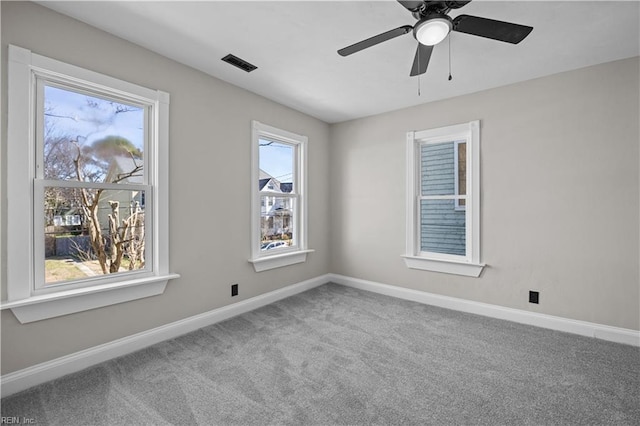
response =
{"points": [[31, 376], [583, 328]]}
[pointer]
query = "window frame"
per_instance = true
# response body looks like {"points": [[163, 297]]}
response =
{"points": [[25, 187], [469, 264], [263, 261]]}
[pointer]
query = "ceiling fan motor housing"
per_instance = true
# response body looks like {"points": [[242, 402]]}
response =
{"points": [[426, 8]]}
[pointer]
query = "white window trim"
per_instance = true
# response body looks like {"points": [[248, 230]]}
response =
{"points": [[262, 261], [468, 265], [26, 306]]}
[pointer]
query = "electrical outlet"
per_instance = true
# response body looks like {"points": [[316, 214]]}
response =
{"points": [[534, 297], [234, 290]]}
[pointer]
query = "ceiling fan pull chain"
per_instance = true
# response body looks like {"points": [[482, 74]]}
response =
{"points": [[419, 74], [450, 78]]}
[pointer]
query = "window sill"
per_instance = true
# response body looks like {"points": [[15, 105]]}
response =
{"points": [[279, 260], [444, 266], [52, 305]]}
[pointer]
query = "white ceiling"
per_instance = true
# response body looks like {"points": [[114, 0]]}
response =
{"points": [[294, 45]]}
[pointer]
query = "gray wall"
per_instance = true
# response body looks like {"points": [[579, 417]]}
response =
{"points": [[210, 169], [559, 195]]}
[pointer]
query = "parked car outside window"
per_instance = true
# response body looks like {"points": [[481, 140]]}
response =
{"points": [[272, 244]]}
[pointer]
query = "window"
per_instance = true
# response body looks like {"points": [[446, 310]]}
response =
{"points": [[90, 159], [87, 188], [443, 200], [279, 200]]}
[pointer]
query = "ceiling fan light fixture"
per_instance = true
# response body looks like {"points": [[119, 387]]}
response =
{"points": [[432, 30]]}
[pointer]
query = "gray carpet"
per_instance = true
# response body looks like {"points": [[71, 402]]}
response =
{"points": [[336, 355]]}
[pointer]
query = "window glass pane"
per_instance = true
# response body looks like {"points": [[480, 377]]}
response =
{"points": [[92, 232], [277, 223], [276, 166], [442, 227], [461, 173], [276, 177], [437, 169], [462, 168], [91, 139]]}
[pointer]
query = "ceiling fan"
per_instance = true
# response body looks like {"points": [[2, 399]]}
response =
{"points": [[434, 25]]}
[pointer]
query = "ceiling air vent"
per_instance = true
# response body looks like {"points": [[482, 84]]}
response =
{"points": [[240, 63]]}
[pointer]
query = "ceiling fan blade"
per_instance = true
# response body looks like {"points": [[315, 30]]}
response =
{"points": [[411, 5], [372, 41], [490, 28], [421, 60]]}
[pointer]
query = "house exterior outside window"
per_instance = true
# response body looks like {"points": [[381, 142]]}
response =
{"points": [[279, 198], [443, 200], [276, 217]]}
